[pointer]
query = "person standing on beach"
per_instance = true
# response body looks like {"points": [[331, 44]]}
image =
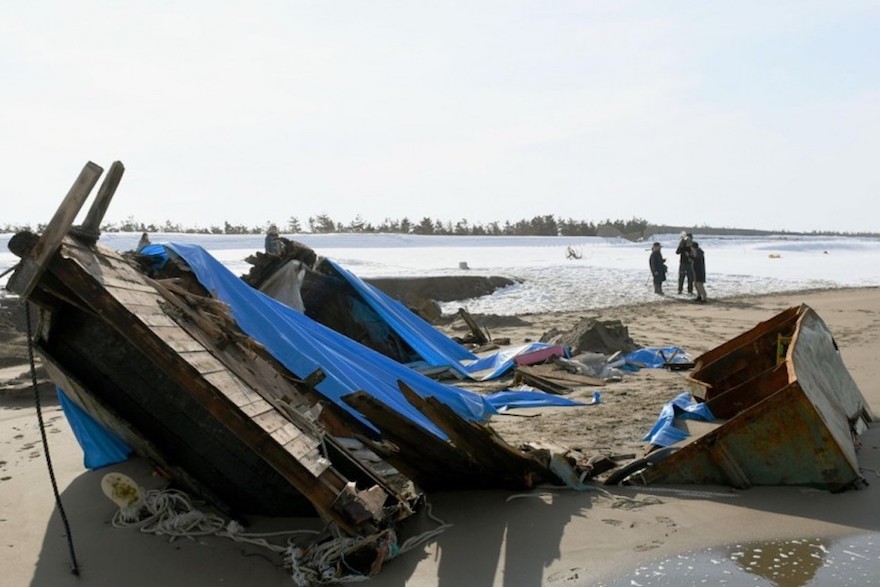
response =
{"points": [[274, 245], [685, 262], [658, 268], [144, 242], [699, 271]]}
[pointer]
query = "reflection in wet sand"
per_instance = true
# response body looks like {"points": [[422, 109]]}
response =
{"points": [[852, 560]]}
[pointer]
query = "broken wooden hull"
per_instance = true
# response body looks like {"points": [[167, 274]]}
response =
{"points": [[788, 411], [174, 378], [164, 366]]}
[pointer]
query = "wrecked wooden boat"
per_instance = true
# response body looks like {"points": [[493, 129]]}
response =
{"points": [[787, 412], [157, 360]]}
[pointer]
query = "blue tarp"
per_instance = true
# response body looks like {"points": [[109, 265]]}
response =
{"points": [[303, 346], [504, 400], [100, 446], [656, 357], [664, 432], [434, 347]]}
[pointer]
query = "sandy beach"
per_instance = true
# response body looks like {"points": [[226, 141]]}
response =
{"points": [[551, 536]]}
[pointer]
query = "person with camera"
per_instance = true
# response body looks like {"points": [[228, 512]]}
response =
{"points": [[685, 262]]}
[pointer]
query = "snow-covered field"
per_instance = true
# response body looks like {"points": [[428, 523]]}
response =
{"points": [[610, 271]]}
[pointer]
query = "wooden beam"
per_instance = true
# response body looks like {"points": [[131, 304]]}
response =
{"points": [[503, 465], [33, 266], [432, 463], [92, 224]]}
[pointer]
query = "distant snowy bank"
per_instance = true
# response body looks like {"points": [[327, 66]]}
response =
{"points": [[609, 272]]}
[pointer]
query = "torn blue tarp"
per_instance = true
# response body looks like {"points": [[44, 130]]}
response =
{"points": [[435, 348], [496, 364], [304, 346], [657, 357], [156, 253], [505, 400], [100, 446], [664, 432]]}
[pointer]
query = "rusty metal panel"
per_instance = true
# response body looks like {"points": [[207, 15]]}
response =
{"points": [[792, 411], [779, 441]]}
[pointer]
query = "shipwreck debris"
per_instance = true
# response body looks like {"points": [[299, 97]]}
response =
{"points": [[160, 362], [787, 412]]}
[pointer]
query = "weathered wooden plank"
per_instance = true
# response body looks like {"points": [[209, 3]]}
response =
{"points": [[115, 283], [133, 297], [429, 461], [32, 267], [270, 421], [288, 433], [509, 467], [297, 444], [254, 408], [152, 316], [92, 223], [204, 362], [231, 386]]}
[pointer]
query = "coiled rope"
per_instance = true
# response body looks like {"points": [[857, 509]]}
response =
{"points": [[170, 513]]}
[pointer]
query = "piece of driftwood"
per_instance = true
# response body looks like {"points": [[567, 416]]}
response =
{"points": [[477, 336], [553, 376], [528, 376]]}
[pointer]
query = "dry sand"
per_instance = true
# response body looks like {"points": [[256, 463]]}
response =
{"points": [[551, 536]]}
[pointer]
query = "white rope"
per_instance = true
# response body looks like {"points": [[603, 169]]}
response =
{"points": [[170, 513]]}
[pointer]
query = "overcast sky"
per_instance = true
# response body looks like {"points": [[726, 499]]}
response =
{"points": [[744, 114]]}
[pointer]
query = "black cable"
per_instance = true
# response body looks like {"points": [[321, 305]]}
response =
{"points": [[30, 345]]}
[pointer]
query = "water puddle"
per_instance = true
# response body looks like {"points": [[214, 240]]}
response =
{"points": [[853, 560]]}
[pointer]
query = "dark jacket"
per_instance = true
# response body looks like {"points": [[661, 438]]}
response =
{"points": [[685, 257], [699, 265], [657, 265]]}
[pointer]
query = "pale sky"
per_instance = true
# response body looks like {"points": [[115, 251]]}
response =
{"points": [[740, 114]]}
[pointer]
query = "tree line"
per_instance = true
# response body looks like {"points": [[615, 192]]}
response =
{"points": [[545, 225]]}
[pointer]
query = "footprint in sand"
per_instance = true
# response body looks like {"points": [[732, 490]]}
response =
{"points": [[562, 577], [612, 522], [649, 546], [668, 522]]}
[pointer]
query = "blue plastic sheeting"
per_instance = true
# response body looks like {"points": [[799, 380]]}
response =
{"points": [[664, 432], [303, 346], [100, 446], [434, 347], [656, 357], [157, 253], [495, 365], [505, 400]]}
